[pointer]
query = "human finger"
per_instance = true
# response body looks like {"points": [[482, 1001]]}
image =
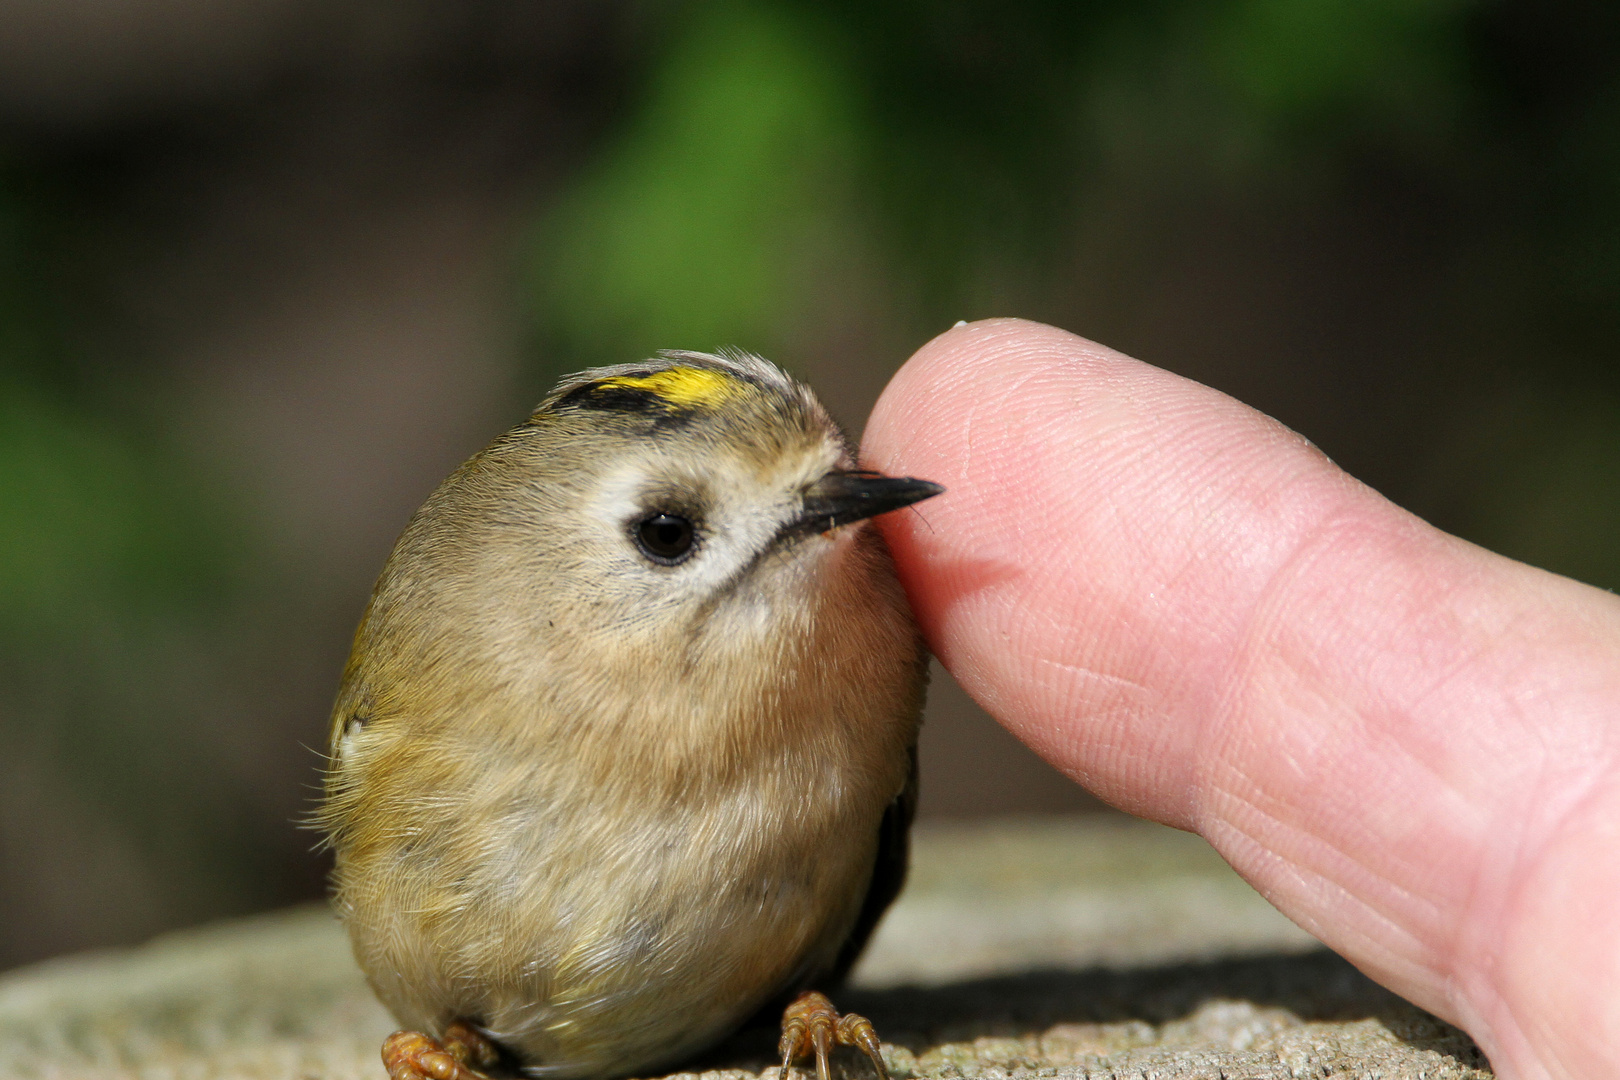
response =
{"points": [[1404, 741]]}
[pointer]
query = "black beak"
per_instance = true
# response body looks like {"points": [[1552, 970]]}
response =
{"points": [[840, 498]]}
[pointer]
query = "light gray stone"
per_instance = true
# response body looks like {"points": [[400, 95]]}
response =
{"points": [[1080, 949]]}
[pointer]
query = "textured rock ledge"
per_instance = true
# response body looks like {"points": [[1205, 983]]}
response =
{"points": [[1085, 948]]}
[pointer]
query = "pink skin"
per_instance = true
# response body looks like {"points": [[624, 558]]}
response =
{"points": [[1407, 743]]}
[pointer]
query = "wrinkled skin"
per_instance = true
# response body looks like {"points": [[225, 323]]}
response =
{"points": [[1407, 743]]}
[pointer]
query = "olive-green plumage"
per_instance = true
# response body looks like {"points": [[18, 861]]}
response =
{"points": [[627, 721]]}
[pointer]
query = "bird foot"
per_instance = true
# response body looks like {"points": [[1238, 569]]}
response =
{"points": [[811, 1023], [457, 1055]]}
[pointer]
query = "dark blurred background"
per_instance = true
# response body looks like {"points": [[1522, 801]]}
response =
{"points": [[270, 268]]}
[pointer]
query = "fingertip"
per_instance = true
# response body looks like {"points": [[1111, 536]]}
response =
{"points": [[967, 365], [1189, 609], [1087, 526], [958, 411]]}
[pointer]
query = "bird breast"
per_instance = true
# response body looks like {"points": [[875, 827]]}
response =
{"points": [[611, 888]]}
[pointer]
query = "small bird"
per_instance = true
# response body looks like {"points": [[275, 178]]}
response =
{"points": [[625, 750]]}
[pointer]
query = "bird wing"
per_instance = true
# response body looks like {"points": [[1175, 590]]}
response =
{"points": [[888, 873]]}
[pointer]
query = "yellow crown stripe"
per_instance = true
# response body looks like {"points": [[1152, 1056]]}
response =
{"points": [[681, 387]]}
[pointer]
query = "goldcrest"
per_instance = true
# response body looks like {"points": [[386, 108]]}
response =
{"points": [[626, 747]]}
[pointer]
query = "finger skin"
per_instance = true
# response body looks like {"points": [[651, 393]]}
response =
{"points": [[1405, 742]]}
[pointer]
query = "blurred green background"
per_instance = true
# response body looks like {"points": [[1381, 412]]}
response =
{"points": [[270, 268]]}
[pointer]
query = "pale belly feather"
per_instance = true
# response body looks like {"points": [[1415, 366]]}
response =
{"points": [[615, 945]]}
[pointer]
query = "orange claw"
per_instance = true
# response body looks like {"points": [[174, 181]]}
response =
{"points": [[811, 1023], [411, 1055]]}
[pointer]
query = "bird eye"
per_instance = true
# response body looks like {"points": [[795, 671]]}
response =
{"points": [[666, 539]]}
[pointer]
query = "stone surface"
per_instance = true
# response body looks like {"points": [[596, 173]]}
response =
{"points": [[1082, 948]]}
